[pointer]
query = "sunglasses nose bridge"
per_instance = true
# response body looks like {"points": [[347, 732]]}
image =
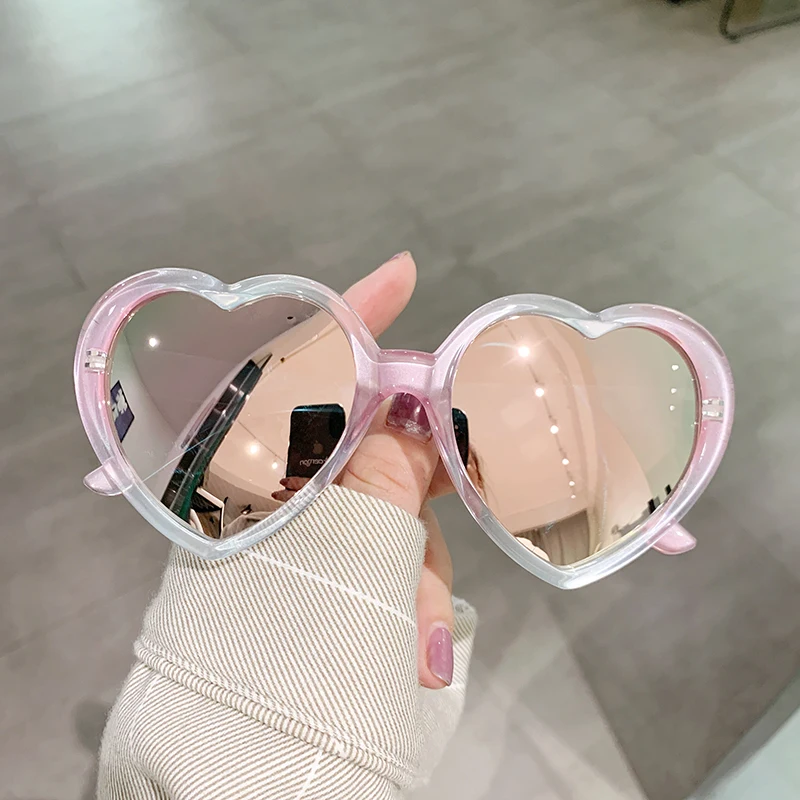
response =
{"points": [[405, 371]]}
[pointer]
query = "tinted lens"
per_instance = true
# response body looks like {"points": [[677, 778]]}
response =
{"points": [[213, 408], [574, 442]]}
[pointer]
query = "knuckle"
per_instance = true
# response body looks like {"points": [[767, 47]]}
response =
{"points": [[379, 473], [435, 600]]}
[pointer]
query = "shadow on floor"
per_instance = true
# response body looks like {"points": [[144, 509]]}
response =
{"points": [[90, 721]]}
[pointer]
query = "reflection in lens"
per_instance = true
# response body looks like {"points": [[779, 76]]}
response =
{"points": [[224, 415], [577, 441]]}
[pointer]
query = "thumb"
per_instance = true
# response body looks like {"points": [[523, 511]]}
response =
{"points": [[435, 608], [397, 458]]}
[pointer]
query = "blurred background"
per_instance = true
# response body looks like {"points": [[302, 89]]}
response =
{"points": [[600, 150]]}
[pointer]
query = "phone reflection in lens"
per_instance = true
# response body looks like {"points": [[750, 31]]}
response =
{"points": [[203, 401], [575, 441]]}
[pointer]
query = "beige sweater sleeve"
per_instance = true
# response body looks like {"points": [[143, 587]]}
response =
{"points": [[288, 671]]}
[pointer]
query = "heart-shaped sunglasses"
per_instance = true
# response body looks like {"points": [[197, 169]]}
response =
{"points": [[576, 440]]}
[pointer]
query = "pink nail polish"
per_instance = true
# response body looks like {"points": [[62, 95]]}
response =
{"points": [[675, 541], [407, 415], [440, 654]]}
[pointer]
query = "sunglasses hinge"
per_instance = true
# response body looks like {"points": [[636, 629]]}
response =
{"points": [[96, 360], [713, 409]]}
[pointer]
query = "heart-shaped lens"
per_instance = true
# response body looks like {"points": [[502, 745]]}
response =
{"points": [[574, 442], [224, 414]]}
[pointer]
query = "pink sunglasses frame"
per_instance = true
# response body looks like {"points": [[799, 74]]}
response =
{"points": [[383, 373]]}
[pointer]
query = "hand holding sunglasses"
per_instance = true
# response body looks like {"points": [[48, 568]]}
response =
{"points": [[588, 436]]}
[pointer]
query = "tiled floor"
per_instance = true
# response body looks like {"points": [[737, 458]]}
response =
{"points": [[603, 150], [764, 762]]}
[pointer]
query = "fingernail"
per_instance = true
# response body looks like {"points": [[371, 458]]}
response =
{"points": [[675, 541], [407, 415], [440, 654], [399, 255]]}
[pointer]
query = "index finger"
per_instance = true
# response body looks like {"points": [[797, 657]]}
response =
{"points": [[380, 297]]}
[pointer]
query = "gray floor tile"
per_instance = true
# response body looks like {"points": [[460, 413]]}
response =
{"points": [[14, 193], [670, 240], [551, 711], [725, 97], [602, 150], [493, 757], [74, 533], [63, 533], [33, 264], [529, 711], [609, 32], [672, 64], [38, 402], [353, 37], [754, 319], [752, 315], [457, 137], [180, 118], [693, 668], [768, 160], [48, 22], [763, 761], [55, 698], [262, 207], [54, 56]]}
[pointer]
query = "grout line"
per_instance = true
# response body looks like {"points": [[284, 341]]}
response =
{"points": [[43, 225], [753, 742], [689, 147], [332, 127], [330, 124], [555, 779], [221, 28], [51, 233], [38, 116], [723, 163], [42, 438], [719, 161]]}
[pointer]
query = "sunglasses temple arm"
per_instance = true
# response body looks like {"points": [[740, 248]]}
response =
{"points": [[675, 541]]}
